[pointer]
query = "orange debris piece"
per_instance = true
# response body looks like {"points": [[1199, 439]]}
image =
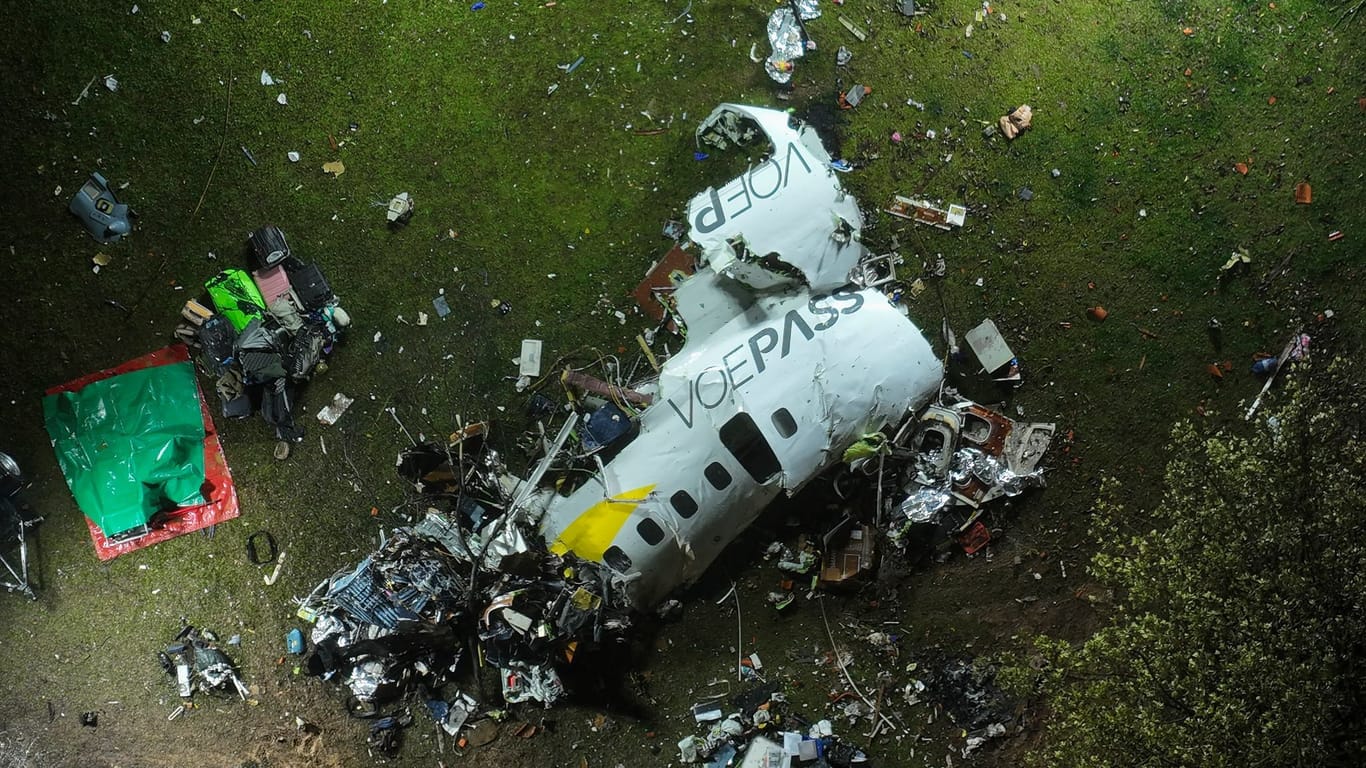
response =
{"points": [[1304, 194]]}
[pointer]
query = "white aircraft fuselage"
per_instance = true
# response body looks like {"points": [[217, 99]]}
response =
{"points": [[767, 403]]}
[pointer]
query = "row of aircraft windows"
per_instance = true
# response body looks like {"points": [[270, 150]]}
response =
{"points": [[741, 436]]}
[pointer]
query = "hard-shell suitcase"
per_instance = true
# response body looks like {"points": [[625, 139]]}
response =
{"points": [[236, 297], [268, 247]]}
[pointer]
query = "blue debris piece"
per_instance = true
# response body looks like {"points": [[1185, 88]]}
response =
{"points": [[605, 426], [105, 218], [440, 305]]}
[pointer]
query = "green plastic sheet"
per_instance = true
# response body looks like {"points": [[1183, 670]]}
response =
{"points": [[130, 445]]}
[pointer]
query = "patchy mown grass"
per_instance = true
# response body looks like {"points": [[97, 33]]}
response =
{"points": [[452, 105]]}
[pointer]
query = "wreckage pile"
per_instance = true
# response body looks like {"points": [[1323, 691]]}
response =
{"points": [[526, 574], [400, 621], [962, 455], [759, 727], [759, 716], [196, 663], [272, 329], [938, 473]]}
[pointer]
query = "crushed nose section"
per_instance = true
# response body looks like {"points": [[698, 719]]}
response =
{"points": [[746, 228]]}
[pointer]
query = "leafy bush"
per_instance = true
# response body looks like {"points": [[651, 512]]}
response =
{"points": [[1239, 634]]}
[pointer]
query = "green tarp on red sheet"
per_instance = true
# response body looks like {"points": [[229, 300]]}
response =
{"points": [[131, 445]]}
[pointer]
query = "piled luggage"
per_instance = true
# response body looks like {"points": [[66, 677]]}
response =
{"points": [[268, 332]]}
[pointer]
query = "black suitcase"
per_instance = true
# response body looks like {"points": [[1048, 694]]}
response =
{"points": [[268, 247], [310, 286]]}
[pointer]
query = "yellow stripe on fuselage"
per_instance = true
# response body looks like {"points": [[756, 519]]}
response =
{"points": [[593, 531]]}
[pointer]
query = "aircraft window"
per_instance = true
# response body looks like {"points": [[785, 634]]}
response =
{"points": [[742, 438], [717, 476], [616, 559], [784, 423], [684, 504], [650, 531]]}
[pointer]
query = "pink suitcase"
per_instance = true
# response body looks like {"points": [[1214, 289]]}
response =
{"points": [[273, 283]]}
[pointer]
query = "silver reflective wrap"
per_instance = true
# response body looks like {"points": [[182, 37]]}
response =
{"points": [[1014, 485], [541, 683], [960, 469], [508, 541], [929, 463], [970, 462], [994, 472], [925, 504], [807, 9], [366, 678], [326, 626], [786, 37]]}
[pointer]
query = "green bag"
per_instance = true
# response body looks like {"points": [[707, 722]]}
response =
{"points": [[236, 296]]}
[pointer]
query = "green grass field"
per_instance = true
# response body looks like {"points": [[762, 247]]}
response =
{"points": [[556, 201]]}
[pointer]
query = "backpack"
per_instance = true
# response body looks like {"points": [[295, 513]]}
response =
{"points": [[216, 337]]}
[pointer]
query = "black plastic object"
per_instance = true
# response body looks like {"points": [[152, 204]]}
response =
{"points": [[254, 549], [238, 407], [268, 247], [216, 337], [304, 352], [539, 406], [310, 286], [260, 351], [277, 408]]}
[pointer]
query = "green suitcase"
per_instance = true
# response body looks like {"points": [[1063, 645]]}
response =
{"points": [[236, 296]]}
